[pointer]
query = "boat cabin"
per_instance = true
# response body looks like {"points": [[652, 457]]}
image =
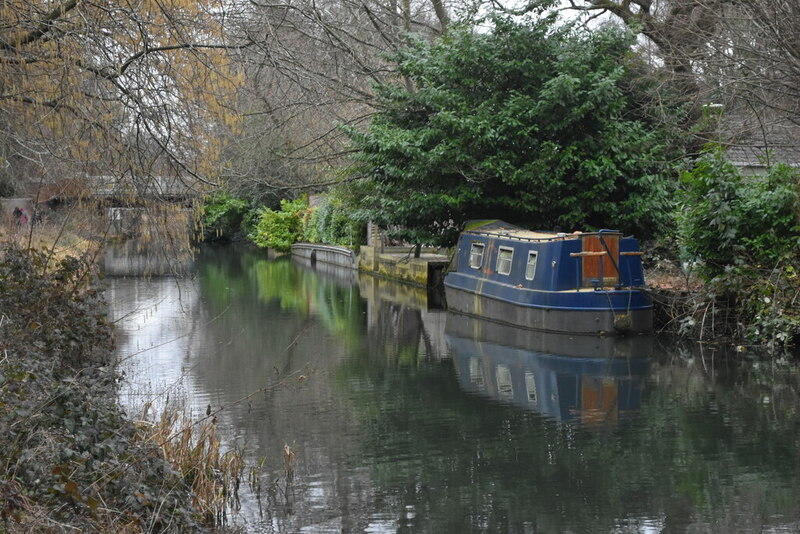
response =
{"points": [[551, 261]]}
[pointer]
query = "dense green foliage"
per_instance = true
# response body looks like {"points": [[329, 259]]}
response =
{"points": [[332, 222], [224, 217], [70, 455], [744, 232], [533, 123], [729, 220], [279, 229]]}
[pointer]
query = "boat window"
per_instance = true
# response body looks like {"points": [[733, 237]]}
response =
{"points": [[504, 256], [476, 255], [530, 384], [530, 268], [505, 387], [476, 373]]}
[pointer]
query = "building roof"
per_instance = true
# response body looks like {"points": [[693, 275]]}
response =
{"points": [[760, 141]]}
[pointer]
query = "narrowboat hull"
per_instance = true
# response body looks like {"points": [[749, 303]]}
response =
{"points": [[582, 319]]}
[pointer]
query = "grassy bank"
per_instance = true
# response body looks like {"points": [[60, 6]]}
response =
{"points": [[72, 460]]}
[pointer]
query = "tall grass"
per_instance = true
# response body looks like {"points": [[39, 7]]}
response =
{"points": [[194, 450]]}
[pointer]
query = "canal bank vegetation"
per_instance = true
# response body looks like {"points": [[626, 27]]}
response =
{"points": [[417, 119], [333, 220], [556, 128], [72, 460], [420, 119], [740, 236]]}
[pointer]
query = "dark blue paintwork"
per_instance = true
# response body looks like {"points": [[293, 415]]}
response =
{"points": [[557, 283]]}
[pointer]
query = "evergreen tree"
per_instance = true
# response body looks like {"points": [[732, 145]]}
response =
{"points": [[533, 123]]}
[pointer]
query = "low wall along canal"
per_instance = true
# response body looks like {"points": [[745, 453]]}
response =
{"points": [[332, 255], [395, 263]]}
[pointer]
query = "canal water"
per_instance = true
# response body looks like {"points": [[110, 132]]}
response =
{"points": [[402, 417]]}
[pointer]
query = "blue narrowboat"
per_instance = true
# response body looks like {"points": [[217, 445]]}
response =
{"points": [[582, 282]]}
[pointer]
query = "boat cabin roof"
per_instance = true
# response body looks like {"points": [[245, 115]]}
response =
{"points": [[510, 231]]}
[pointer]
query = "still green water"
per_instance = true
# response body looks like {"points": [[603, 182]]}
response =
{"points": [[405, 418]]}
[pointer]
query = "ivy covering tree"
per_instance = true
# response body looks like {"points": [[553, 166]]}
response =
{"points": [[534, 123]]}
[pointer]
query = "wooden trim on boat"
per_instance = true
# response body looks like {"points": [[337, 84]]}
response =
{"points": [[587, 253]]}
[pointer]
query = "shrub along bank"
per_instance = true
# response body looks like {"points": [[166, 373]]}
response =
{"points": [[71, 459], [335, 220], [741, 235]]}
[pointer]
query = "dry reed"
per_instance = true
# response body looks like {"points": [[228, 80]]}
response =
{"points": [[194, 451]]}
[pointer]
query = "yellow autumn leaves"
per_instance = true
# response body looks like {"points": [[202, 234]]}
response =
{"points": [[123, 86]]}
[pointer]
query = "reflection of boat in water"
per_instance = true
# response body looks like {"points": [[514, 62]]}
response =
{"points": [[583, 379]]}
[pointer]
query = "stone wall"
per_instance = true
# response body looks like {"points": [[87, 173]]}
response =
{"points": [[396, 263], [400, 264]]}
